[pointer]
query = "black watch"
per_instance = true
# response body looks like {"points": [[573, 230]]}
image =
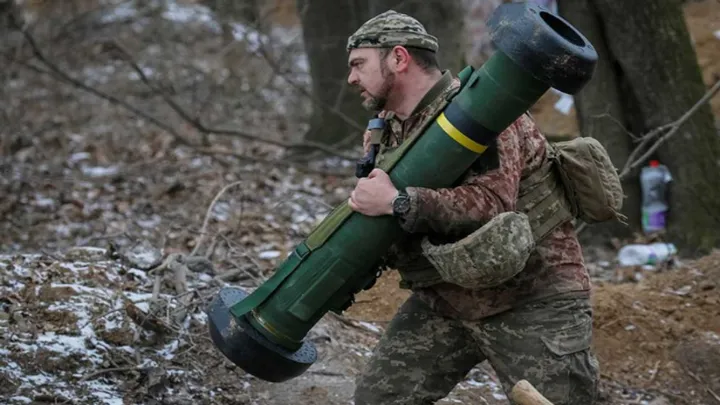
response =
{"points": [[401, 204]]}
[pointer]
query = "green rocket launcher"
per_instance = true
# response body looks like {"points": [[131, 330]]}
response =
{"points": [[264, 332]]}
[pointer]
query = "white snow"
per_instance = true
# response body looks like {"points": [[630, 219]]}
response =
{"points": [[119, 12], [269, 254], [190, 13], [99, 171]]}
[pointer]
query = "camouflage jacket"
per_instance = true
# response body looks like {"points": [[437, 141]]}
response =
{"points": [[489, 188]]}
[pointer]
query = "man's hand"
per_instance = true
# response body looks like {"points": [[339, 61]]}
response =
{"points": [[373, 195]]}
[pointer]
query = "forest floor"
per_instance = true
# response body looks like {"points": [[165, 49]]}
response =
{"points": [[85, 320]]}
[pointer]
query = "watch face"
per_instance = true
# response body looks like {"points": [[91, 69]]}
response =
{"points": [[401, 204]]}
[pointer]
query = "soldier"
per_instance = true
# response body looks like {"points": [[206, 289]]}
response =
{"points": [[521, 303]]}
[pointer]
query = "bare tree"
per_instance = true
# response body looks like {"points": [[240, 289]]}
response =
{"points": [[605, 113], [326, 27], [441, 18]]}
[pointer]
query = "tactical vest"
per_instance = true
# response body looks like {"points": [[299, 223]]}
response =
{"points": [[541, 197]]}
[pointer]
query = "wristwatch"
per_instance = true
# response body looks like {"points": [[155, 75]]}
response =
{"points": [[401, 203]]}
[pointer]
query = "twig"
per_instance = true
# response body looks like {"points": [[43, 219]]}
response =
{"points": [[702, 381], [197, 124], [156, 287], [98, 317], [234, 275], [656, 370], [108, 370], [56, 73], [52, 399], [300, 168], [201, 240], [261, 51], [714, 395], [180, 271], [350, 323], [327, 373], [79, 84], [673, 127]]}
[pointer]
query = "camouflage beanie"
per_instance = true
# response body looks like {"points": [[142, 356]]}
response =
{"points": [[391, 29]]}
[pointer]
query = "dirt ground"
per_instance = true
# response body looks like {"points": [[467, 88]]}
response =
{"points": [[96, 325], [648, 335]]}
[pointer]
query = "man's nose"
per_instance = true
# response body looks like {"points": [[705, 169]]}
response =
{"points": [[352, 78]]}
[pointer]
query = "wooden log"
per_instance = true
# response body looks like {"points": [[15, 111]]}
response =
{"points": [[525, 394]]}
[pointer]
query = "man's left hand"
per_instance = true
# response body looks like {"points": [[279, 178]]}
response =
{"points": [[373, 195]]}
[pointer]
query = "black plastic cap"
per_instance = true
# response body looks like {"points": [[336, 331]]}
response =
{"points": [[544, 44], [247, 348]]}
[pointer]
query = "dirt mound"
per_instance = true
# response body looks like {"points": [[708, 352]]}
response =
{"points": [[380, 302], [647, 334]]}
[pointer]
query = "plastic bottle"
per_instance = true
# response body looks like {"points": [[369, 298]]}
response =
{"points": [[653, 184], [638, 255]]}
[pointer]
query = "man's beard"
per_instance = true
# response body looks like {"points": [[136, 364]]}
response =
{"points": [[377, 102]]}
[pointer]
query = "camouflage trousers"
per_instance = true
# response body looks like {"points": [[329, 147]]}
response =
{"points": [[422, 355]]}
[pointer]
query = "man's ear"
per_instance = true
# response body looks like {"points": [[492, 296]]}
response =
{"points": [[399, 58]]}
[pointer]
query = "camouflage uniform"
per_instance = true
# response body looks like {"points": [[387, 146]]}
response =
{"points": [[536, 326]]}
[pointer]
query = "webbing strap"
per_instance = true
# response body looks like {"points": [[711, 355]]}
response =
{"points": [[541, 197], [342, 212]]}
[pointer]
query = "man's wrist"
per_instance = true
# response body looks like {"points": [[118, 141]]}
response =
{"points": [[400, 204]]}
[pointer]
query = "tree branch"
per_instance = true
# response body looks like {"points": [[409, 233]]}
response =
{"points": [[58, 73], [197, 124], [674, 127]]}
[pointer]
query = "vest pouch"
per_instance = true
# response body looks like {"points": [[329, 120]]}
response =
{"points": [[591, 182], [491, 255]]}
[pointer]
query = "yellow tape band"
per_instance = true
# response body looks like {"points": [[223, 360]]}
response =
{"points": [[458, 136]]}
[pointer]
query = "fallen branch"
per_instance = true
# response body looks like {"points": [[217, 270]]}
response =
{"points": [[146, 321], [233, 276], [352, 324], [201, 240], [56, 399]]}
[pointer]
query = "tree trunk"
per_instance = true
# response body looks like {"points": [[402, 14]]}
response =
{"points": [[326, 26], [480, 48], [601, 115], [651, 42], [441, 18]]}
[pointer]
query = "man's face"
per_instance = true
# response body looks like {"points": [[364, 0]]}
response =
{"points": [[370, 74]]}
